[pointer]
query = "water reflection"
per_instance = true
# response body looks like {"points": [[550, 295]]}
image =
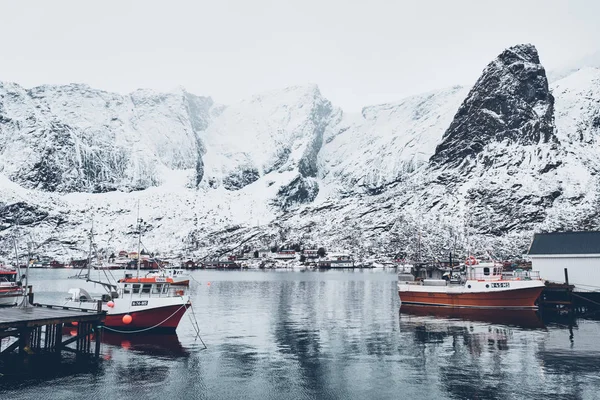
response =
{"points": [[158, 345], [334, 335], [528, 319]]}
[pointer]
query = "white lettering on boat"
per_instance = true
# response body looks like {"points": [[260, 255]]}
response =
{"points": [[139, 303]]}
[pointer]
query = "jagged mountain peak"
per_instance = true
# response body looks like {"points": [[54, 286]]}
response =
{"points": [[509, 103], [525, 52], [288, 96]]}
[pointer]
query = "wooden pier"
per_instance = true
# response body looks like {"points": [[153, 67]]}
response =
{"points": [[39, 329], [562, 297]]}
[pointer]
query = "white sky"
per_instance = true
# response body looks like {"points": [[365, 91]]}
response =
{"points": [[358, 52]]}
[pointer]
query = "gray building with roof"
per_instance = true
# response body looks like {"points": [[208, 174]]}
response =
{"points": [[579, 252]]}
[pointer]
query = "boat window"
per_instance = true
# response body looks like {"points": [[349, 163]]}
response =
{"points": [[157, 288], [486, 270], [146, 288], [136, 288]]}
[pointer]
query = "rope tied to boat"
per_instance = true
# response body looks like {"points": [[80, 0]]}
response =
{"points": [[194, 321]]}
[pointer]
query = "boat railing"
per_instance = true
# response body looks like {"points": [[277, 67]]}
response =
{"points": [[526, 275], [484, 277], [515, 276]]}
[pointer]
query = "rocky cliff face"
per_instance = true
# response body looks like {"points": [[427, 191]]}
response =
{"points": [[74, 138], [500, 155], [509, 104], [271, 135]]}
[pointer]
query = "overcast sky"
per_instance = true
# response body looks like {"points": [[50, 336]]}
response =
{"points": [[358, 52]]}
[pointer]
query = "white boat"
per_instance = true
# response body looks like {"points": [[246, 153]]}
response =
{"points": [[10, 291], [180, 276], [337, 260]]}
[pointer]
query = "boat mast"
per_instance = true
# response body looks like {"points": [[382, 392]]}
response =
{"points": [[17, 257], [139, 241], [89, 260], [25, 300]]}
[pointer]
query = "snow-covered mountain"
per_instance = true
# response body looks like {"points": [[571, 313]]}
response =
{"points": [[74, 138], [385, 143], [481, 167]]}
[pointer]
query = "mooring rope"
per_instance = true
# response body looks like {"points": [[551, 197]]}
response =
{"points": [[585, 298], [196, 327]]}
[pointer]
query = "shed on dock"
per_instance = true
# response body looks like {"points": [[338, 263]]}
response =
{"points": [[578, 252]]}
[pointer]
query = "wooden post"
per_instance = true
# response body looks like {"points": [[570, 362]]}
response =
{"points": [[24, 339], [58, 337], [98, 331], [30, 294]]}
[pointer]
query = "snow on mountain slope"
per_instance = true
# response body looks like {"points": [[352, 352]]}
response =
{"points": [[287, 167], [270, 134], [501, 156], [589, 61], [577, 118], [384, 143], [578, 107], [499, 173], [74, 138]]}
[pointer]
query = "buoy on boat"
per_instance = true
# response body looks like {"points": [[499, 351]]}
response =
{"points": [[208, 283], [74, 323], [127, 319], [110, 304]]}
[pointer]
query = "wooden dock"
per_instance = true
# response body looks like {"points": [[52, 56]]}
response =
{"points": [[39, 329]]}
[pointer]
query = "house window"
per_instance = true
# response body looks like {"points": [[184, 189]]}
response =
{"points": [[486, 271]]}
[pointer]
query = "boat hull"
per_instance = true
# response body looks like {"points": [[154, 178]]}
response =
{"points": [[10, 297], [515, 298], [163, 319]]}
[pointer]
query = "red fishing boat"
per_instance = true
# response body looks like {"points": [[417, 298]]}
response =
{"points": [[482, 285], [134, 304]]}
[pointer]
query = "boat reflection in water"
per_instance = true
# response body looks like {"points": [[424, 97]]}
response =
{"points": [[528, 319], [162, 345]]}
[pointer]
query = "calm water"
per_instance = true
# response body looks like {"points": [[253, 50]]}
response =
{"points": [[324, 335]]}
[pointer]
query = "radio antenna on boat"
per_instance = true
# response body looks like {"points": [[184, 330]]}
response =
{"points": [[139, 240]]}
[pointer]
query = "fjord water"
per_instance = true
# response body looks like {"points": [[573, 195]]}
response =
{"points": [[323, 335]]}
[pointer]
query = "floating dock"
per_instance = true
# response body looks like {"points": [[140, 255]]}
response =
{"points": [[39, 329]]}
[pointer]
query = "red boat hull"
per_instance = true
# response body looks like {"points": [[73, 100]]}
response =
{"points": [[519, 298], [165, 319]]}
